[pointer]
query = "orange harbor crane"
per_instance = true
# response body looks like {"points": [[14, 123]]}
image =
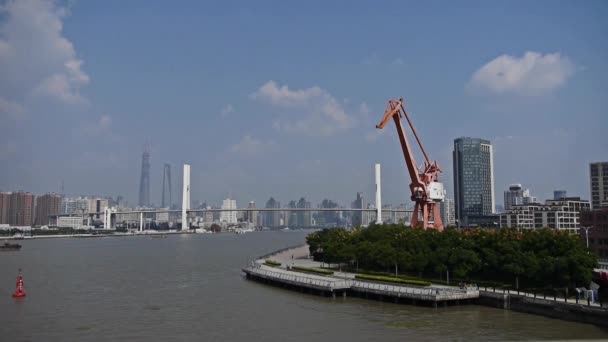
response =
{"points": [[425, 187]]}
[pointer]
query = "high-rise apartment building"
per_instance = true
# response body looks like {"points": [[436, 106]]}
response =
{"points": [[228, 216], [304, 217], [46, 206], [252, 215], [77, 205], [448, 216], [598, 174], [473, 179], [4, 207], [21, 208], [144, 181], [208, 216], [272, 218], [291, 216]]}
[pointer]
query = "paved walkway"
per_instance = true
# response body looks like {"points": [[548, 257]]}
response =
{"points": [[540, 296], [300, 256]]}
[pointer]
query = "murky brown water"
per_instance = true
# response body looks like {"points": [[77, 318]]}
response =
{"points": [[190, 287]]}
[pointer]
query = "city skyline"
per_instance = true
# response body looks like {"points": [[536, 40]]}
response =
{"points": [[275, 122]]}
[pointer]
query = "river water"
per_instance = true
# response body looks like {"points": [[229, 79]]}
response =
{"points": [[190, 287]]}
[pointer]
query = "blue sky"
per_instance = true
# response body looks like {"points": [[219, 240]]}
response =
{"points": [[281, 99]]}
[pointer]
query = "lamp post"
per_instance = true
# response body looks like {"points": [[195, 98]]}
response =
{"points": [[587, 234]]}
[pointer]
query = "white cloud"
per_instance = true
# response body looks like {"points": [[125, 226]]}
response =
{"points": [[252, 147], [320, 113], [105, 121], [35, 57], [398, 61], [372, 136], [532, 74], [100, 128], [227, 110], [11, 109], [364, 110]]}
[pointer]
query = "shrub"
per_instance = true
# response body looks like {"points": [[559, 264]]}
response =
{"points": [[392, 280], [272, 263], [313, 270]]}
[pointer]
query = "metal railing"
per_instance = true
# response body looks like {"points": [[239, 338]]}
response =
{"points": [[543, 296], [268, 255], [303, 280]]}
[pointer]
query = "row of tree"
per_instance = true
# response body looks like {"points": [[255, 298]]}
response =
{"points": [[528, 259]]}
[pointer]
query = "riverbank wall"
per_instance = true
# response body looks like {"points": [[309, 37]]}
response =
{"points": [[345, 285], [545, 307], [342, 286]]}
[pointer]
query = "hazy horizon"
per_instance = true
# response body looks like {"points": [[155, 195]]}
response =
{"points": [[282, 99]]}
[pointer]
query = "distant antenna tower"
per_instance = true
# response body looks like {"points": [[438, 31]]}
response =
{"points": [[166, 201], [144, 182]]}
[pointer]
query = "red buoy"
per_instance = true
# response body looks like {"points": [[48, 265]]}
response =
{"points": [[19, 290]]}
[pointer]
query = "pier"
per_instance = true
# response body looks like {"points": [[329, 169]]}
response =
{"points": [[344, 284]]}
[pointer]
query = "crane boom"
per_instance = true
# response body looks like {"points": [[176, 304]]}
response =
{"points": [[393, 112], [426, 190]]}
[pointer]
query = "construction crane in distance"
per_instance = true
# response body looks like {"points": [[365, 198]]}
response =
{"points": [[425, 187]]}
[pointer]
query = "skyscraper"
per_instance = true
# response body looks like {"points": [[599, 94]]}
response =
{"points": [[46, 206], [228, 216], [359, 203], [272, 218], [252, 215], [598, 174], [144, 181], [166, 201], [473, 178], [291, 217], [304, 217]]}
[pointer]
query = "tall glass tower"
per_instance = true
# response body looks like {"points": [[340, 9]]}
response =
{"points": [[473, 178], [144, 181], [166, 200]]}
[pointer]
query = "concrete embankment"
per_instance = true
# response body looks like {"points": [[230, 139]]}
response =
{"points": [[545, 307], [345, 284]]}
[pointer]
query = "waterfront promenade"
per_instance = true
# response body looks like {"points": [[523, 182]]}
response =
{"points": [[343, 283]]}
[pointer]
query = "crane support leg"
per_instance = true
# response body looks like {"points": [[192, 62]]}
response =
{"points": [[424, 213], [438, 223], [415, 214]]}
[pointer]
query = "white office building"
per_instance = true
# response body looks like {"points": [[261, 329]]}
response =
{"points": [[448, 213], [75, 205], [228, 216], [560, 214]]}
